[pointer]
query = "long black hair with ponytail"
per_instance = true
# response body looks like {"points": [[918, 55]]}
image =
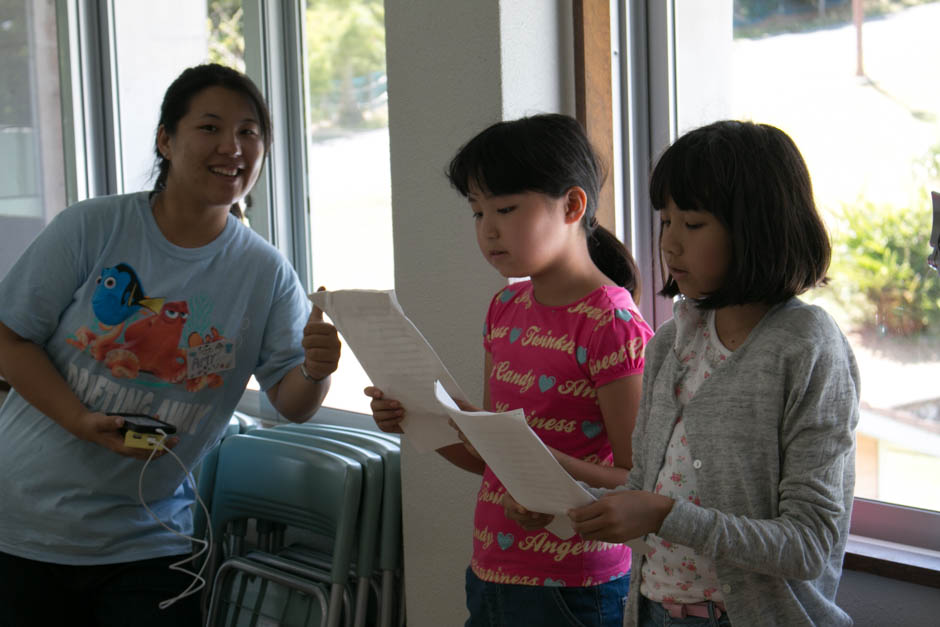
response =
{"points": [[547, 153]]}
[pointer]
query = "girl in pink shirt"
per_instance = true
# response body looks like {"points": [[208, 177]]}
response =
{"points": [[567, 347]]}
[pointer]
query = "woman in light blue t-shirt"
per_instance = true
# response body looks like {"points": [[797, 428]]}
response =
{"points": [[161, 303]]}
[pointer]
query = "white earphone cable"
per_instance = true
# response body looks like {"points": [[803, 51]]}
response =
{"points": [[198, 581]]}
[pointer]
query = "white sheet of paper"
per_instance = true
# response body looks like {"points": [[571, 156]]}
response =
{"points": [[520, 461], [397, 358], [524, 465]]}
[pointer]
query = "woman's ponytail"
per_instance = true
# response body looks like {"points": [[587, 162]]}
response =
{"points": [[610, 255]]}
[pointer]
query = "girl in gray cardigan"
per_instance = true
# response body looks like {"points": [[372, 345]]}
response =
{"points": [[744, 448]]}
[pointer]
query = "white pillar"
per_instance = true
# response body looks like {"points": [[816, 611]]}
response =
{"points": [[454, 67]]}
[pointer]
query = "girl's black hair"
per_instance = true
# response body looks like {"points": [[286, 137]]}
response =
{"points": [[753, 178], [549, 154], [180, 94]]}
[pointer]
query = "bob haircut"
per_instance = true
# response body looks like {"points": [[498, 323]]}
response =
{"points": [[754, 180], [547, 153]]}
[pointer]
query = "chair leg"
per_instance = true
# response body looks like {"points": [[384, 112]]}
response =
{"points": [[387, 606], [335, 611], [401, 603], [362, 602], [266, 575]]}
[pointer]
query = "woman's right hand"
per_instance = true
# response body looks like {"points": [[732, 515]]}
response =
{"points": [[386, 412], [104, 430]]}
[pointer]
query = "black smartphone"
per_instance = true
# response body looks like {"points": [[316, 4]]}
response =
{"points": [[142, 423]]}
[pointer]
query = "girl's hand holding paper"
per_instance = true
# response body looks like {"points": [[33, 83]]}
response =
{"points": [[520, 460], [621, 516], [530, 521]]}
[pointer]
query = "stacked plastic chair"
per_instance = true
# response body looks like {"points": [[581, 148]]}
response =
{"points": [[205, 477], [277, 482], [316, 555], [388, 573]]}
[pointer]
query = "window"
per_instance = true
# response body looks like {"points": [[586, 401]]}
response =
{"points": [[178, 30], [349, 175], [32, 179], [320, 65], [866, 123]]}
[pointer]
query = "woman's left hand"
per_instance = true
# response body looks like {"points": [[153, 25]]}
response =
{"points": [[321, 346], [621, 516]]}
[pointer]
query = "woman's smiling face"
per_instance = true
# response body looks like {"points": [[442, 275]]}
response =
{"points": [[217, 150]]}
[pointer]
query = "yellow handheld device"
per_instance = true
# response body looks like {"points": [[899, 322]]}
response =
{"points": [[140, 430]]}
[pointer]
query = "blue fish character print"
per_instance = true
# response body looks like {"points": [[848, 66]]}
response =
{"points": [[119, 294]]}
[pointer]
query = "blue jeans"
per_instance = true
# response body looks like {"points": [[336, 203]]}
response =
{"points": [[652, 614], [508, 605], [106, 595]]}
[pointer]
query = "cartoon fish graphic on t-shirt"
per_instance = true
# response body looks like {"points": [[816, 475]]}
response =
{"points": [[119, 295], [152, 344], [136, 334]]}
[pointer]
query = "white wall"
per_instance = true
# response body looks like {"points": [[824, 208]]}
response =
{"points": [[454, 67]]}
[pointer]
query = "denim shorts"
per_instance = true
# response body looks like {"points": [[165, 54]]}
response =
{"points": [[509, 605], [652, 614]]}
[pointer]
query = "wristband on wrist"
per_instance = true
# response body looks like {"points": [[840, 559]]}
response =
{"points": [[307, 376]]}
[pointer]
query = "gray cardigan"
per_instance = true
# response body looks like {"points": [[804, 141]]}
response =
{"points": [[772, 437]]}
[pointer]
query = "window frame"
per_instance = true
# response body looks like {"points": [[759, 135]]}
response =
{"points": [[648, 122], [89, 99], [594, 94], [275, 60]]}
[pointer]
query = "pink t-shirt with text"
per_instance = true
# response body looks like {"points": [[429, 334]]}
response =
{"points": [[549, 361]]}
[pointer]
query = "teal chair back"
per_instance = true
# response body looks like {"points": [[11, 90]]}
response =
{"points": [[349, 421], [390, 543], [205, 478], [370, 509], [299, 486]]}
